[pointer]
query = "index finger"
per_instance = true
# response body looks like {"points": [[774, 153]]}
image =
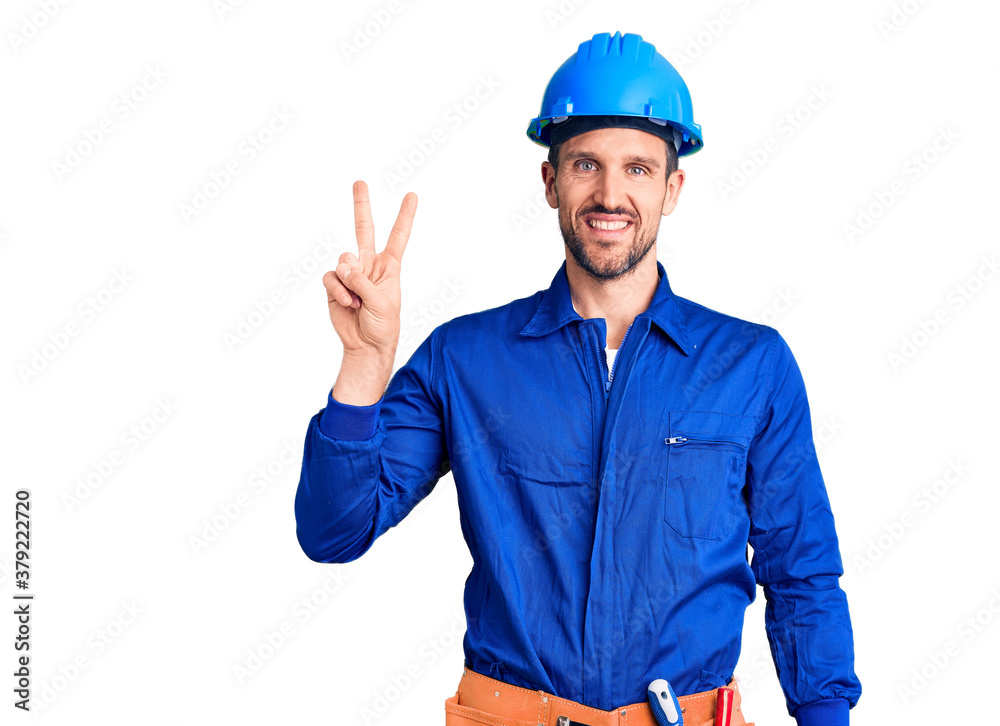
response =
{"points": [[401, 229], [364, 228]]}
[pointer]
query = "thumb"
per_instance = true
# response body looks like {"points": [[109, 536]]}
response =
{"points": [[357, 282]]}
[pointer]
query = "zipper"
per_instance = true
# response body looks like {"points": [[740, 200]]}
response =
{"points": [[604, 368], [683, 439], [618, 356], [604, 364]]}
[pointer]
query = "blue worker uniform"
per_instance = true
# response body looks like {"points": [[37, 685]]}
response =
{"points": [[608, 522]]}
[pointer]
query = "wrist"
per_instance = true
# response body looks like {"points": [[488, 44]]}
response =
{"points": [[363, 377]]}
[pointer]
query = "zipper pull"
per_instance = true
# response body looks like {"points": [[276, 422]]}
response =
{"points": [[674, 440]]}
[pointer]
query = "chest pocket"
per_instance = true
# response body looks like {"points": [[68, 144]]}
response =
{"points": [[706, 457]]}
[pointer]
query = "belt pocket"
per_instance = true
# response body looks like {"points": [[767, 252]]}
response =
{"points": [[455, 714], [706, 470]]}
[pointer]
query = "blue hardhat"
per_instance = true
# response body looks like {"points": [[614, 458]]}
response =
{"points": [[621, 76]]}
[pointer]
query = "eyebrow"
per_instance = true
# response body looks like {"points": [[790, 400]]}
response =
{"points": [[648, 161]]}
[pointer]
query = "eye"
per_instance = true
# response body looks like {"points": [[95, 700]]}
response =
{"points": [[638, 169], [584, 164]]}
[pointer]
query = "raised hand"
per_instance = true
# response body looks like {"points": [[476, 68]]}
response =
{"points": [[363, 292]]}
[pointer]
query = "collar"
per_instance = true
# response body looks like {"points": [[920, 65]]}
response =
{"points": [[556, 310]]}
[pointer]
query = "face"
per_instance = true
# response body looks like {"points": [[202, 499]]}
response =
{"points": [[611, 190]]}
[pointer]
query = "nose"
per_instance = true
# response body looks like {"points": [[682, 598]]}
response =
{"points": [[610, 191]]}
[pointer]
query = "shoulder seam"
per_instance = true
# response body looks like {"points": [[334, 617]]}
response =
{"points": [[435, 352], [771, 364]]}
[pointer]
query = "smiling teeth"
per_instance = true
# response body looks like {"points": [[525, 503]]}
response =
{"points": [[598, 224]]}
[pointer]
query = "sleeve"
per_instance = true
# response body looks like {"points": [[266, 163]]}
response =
{"points": [[796, 555], [364, 468]]}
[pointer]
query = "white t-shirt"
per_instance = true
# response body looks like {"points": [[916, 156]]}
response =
{"points": [[611, 358]]}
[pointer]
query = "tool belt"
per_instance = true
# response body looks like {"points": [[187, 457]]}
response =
{"points": [[484, 700]]}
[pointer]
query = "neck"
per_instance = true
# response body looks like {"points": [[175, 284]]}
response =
{"points": [[619, 300]]}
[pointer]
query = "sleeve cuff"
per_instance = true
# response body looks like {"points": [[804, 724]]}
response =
{"points": [[345, 422], [827, 712]]}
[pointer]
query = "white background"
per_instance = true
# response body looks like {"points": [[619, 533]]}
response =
{"points": [[885, 81]]}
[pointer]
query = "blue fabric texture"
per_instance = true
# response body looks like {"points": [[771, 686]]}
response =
{"points": [[346, 422], [828, 712], [608, 523]]}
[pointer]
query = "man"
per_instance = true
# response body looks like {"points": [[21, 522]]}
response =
{"points": [[615, 448]]}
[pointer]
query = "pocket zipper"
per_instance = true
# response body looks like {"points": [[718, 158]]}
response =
{"points": [[682, 439]]}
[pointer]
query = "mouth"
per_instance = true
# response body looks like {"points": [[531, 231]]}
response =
{"points": [[607, 226]]}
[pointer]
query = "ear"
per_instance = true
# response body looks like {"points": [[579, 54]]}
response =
{"points": [[549, 178], [674, 185]]}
